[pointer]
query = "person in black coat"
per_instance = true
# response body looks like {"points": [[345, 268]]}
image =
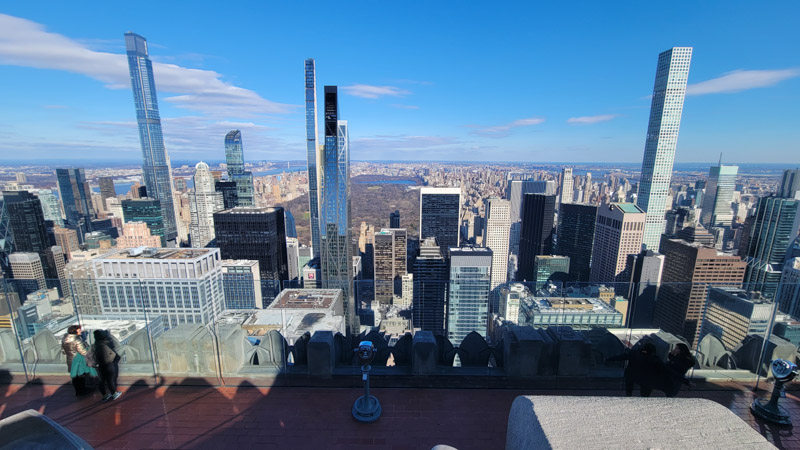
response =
{"points": [[680, 361], [644, 368], [107, 364]]}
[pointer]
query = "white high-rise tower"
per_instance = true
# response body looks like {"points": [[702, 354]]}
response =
{"points": [[666, 107], [203, 203], [567, 185], [496, 237]]}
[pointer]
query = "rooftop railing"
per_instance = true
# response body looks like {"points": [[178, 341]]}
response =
{"points": [[447, 334]]}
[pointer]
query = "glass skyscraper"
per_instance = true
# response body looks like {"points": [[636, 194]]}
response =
{"points": [[336, 255], [234, 158], [774, 227], [468, 296], [312, 153], [156, 170], [148, 211], [575, 237], [716, 209], [76, 196], [666, 108]]}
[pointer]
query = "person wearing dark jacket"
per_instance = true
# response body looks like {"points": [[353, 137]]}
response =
{"points": [[644, 368], [107, 364], [680, 361]]}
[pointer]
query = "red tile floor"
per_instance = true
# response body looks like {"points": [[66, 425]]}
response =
{"points": [[180, 416]]}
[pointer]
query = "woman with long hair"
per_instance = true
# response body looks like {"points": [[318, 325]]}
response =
{"points": [[107, 364], [78, 359]]}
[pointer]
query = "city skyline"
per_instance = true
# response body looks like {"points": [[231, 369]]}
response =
{"points": [[478, 117]]}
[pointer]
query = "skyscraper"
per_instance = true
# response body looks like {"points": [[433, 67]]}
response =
{"points": [[431, 276], [28, 271], [27, 224], [234, 158], [672, 72], [148, 211], [617, 234], [775, 225], [515, 193], [50, 206], [790, 183], [689, 269], [107, 189], [394, 219], [257, 234], [336, 256], [495, 238], [291, 228], [76, 196], [440, 215], [536, 236], [313, 155], [567, 185], [137, 234], [575, 234], [203, 203], [716, 209], [645, 271], [384, 266], [550, 269], [156, 170], [230, 195], [6, 239], [468, 293]]}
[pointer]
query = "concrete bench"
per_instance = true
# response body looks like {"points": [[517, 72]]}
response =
{"points": [[30, 429], [561, 422]]}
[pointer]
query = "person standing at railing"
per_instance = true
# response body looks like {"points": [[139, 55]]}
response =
{"points": [[680, 361], [644, 368], [78, 359], [107, 364]]}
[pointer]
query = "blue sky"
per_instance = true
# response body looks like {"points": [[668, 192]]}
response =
{"points": [[499, 81]]}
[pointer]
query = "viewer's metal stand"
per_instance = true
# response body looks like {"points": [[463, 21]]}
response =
{"points": [[366, 408], [770, 411]]}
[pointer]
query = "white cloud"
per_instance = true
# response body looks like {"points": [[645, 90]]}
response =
{"points": [[26, 43], [400, 106], [368, 91], [403, 142], [742, 80], [592, 119], [505, 130]]}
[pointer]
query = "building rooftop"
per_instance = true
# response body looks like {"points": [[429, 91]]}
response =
{"points": [[249, 210], [306, 299], [158, 253], [628, 208]]}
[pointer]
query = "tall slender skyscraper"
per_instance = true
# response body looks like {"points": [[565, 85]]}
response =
{"points": [[234, 158], [567, 185], [515, 193], [203, 203], [336, 257], [495, 238], [156, 170], [313, 154], [716, 209], [430, 288], [666, 107]]}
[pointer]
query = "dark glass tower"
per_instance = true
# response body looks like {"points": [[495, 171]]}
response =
{"points": [[234, 158], [774, 227], [257, 234], [230, 194], [107, 188], [26, 222], [440, 216], [575, 238], [148, 211], [431, 276], [156, 169], [6, 239], [76, 196], [394, 219], [536, 236], [336, 256]]}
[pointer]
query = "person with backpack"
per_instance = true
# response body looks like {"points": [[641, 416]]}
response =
{"points": [[107, 361]]}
